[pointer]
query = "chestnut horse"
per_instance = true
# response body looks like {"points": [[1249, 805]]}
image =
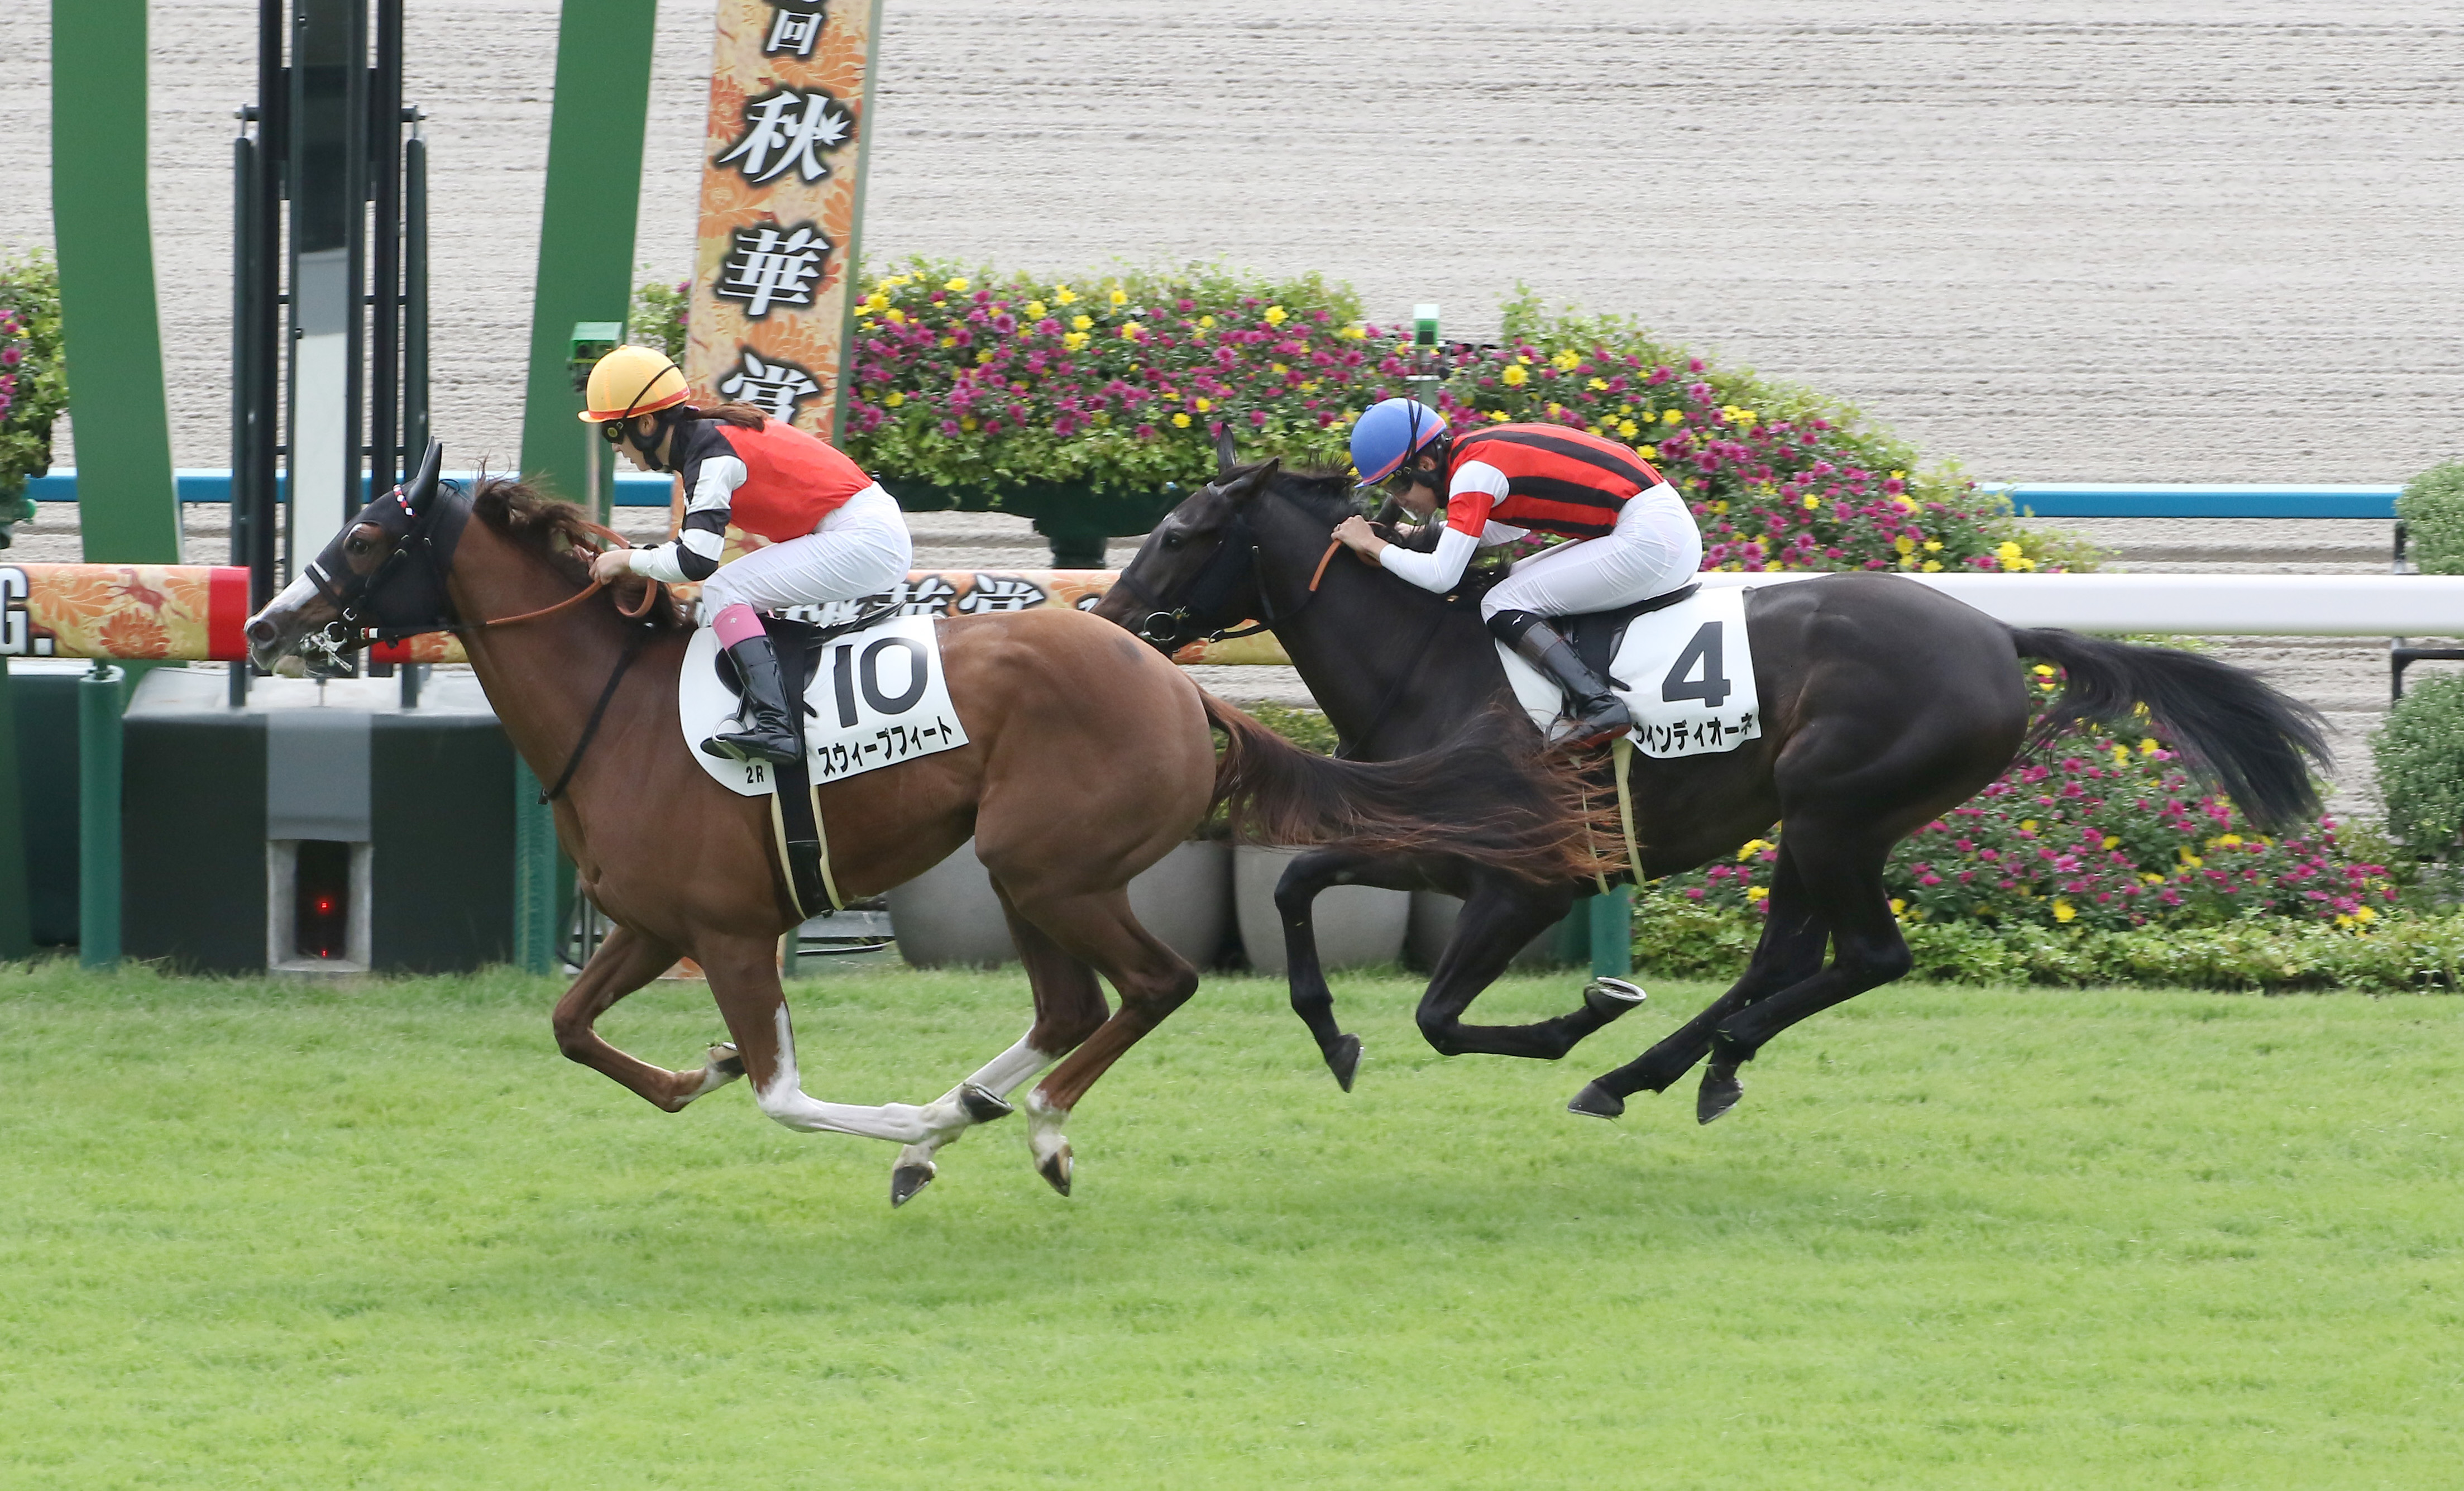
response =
{"points": [[1088, 757]]}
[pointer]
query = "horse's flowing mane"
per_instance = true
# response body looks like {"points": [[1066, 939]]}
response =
{"points": [[560, 535], [1324, 494]]}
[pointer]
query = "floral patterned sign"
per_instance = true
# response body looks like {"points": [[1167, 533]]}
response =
{"points": [[783, 178], [142, 611]]}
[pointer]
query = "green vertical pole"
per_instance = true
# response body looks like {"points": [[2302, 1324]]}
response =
{"points": [[16, 918], [1612, 932], [98, 726], [534, 876], [127, 507], [594, 187]]}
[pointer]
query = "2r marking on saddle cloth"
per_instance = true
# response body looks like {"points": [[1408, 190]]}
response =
{"points": [[878, 697], [1687, 672]]}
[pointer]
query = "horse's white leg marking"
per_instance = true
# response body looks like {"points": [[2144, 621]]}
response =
{"points": [[999, 1076], [783, 1099], [1043, 1122]]}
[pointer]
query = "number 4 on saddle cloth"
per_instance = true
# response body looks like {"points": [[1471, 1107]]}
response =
{"points": [[874, 695], [1680, 662]]}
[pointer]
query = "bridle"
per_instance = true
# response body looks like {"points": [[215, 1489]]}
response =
{"points": [[1236, 561], [425, 518]]}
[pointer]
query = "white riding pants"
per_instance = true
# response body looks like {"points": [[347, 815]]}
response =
{"points": [[1654, 548], [861, 548]]}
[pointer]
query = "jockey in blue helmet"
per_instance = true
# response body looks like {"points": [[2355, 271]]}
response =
{"points": [[1634, 538]]}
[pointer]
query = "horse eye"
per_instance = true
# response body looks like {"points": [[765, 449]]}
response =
{"points": [[1174, 540]]}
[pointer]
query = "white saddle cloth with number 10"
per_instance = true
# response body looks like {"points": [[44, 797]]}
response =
{"points": [[875, 698], [1687, 672]]}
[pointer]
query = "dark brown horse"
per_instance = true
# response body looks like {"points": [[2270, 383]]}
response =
{"points": [[1088, 757], [1884, 703]]}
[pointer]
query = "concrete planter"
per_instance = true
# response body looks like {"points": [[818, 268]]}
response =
{"points": [[949, 917], [1433, 927], [1356, 925]]}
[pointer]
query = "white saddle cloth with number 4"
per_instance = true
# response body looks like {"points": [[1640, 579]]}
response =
{"points": [[874, 698], [1686, 672]]}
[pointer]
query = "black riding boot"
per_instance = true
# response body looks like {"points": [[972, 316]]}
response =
{"points": [[765, 731], [1599, 715]]}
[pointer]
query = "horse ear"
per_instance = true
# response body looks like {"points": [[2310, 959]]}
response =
{"points": [[1253, 480], [1224, 460]]}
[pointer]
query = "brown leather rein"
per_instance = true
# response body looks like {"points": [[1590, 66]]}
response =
{"points": [[650, 595]]}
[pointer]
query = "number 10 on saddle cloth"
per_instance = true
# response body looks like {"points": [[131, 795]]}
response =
{"points": [[874, 698], [1685, 672]]}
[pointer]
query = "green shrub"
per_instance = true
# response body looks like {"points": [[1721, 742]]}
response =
{"points": [[658, 318], [2420, 755], [2395, 953], [2433, 511], [34, 379]]}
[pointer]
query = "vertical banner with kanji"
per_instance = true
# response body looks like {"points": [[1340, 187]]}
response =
{"points": [[781, 199]]}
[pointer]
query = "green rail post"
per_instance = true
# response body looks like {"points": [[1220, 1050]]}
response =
{"points": [[535, 874], [127, 508], [593, 190], [99, 701], [17, 917], [1611, 918]]}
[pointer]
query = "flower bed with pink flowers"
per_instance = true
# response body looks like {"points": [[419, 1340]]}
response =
{"points": [[979, 389], [33, 382]]}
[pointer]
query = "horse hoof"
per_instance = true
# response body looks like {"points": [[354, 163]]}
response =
{"points": [[1610, 997], [1719, 1093], [1344, 1060], [1597, 1102], [980, 1104], [725, 1060], [1054, 1168], [907, 1179]]}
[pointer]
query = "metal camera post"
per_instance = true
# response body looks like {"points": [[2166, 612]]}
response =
{"points": [[1426, 373], [592, 340]]}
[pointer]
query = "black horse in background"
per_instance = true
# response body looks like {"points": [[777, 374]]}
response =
{"points": [[1884, 703]]}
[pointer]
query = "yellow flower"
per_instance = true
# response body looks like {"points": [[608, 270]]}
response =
{"points": [[1569, 359], [1499, 415], [2043, 671], [1129, 331], [949, 342], [2147, 746], [1073, 340], [1277, 369], [2027, 824], [2151, 878], [2010, 551], [2222, 840], [1062, 295], [2062, 911], [2121, 753], [1753, 846], [1276, 316], [2112, 842], [957, 286], [1082, 323], [1627, 429], [1813, 502], [1933, 546], [1899, 476], [1905, 544], [1203, 404], [1119, 297], [1755, 892], [985, 356], [1180, 422], [1355, 333], [1599, 385], [1671, 417], [1035, 310], [1898, 907], [876, 302], [2188, 860], [1206, 322], [968, 422], [1651, 453], [895, 399], [895, 318], [2362, 914], [1514, 376], [1906, 504], [1932, 566]]}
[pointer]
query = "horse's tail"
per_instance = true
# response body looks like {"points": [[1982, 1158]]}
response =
{"points": [[1491, 794], [2235, 729]]}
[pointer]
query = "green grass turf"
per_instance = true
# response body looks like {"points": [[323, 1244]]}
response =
{"points": [[381, 1235]]}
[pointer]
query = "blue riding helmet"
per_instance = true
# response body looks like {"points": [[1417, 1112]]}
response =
{"points": [[1388, 433]]}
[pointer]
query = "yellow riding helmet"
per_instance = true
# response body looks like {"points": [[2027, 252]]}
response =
{"points": [[632, 381]]}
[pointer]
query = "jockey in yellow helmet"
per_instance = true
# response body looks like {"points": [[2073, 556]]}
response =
{"points": [[836, 534]]}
